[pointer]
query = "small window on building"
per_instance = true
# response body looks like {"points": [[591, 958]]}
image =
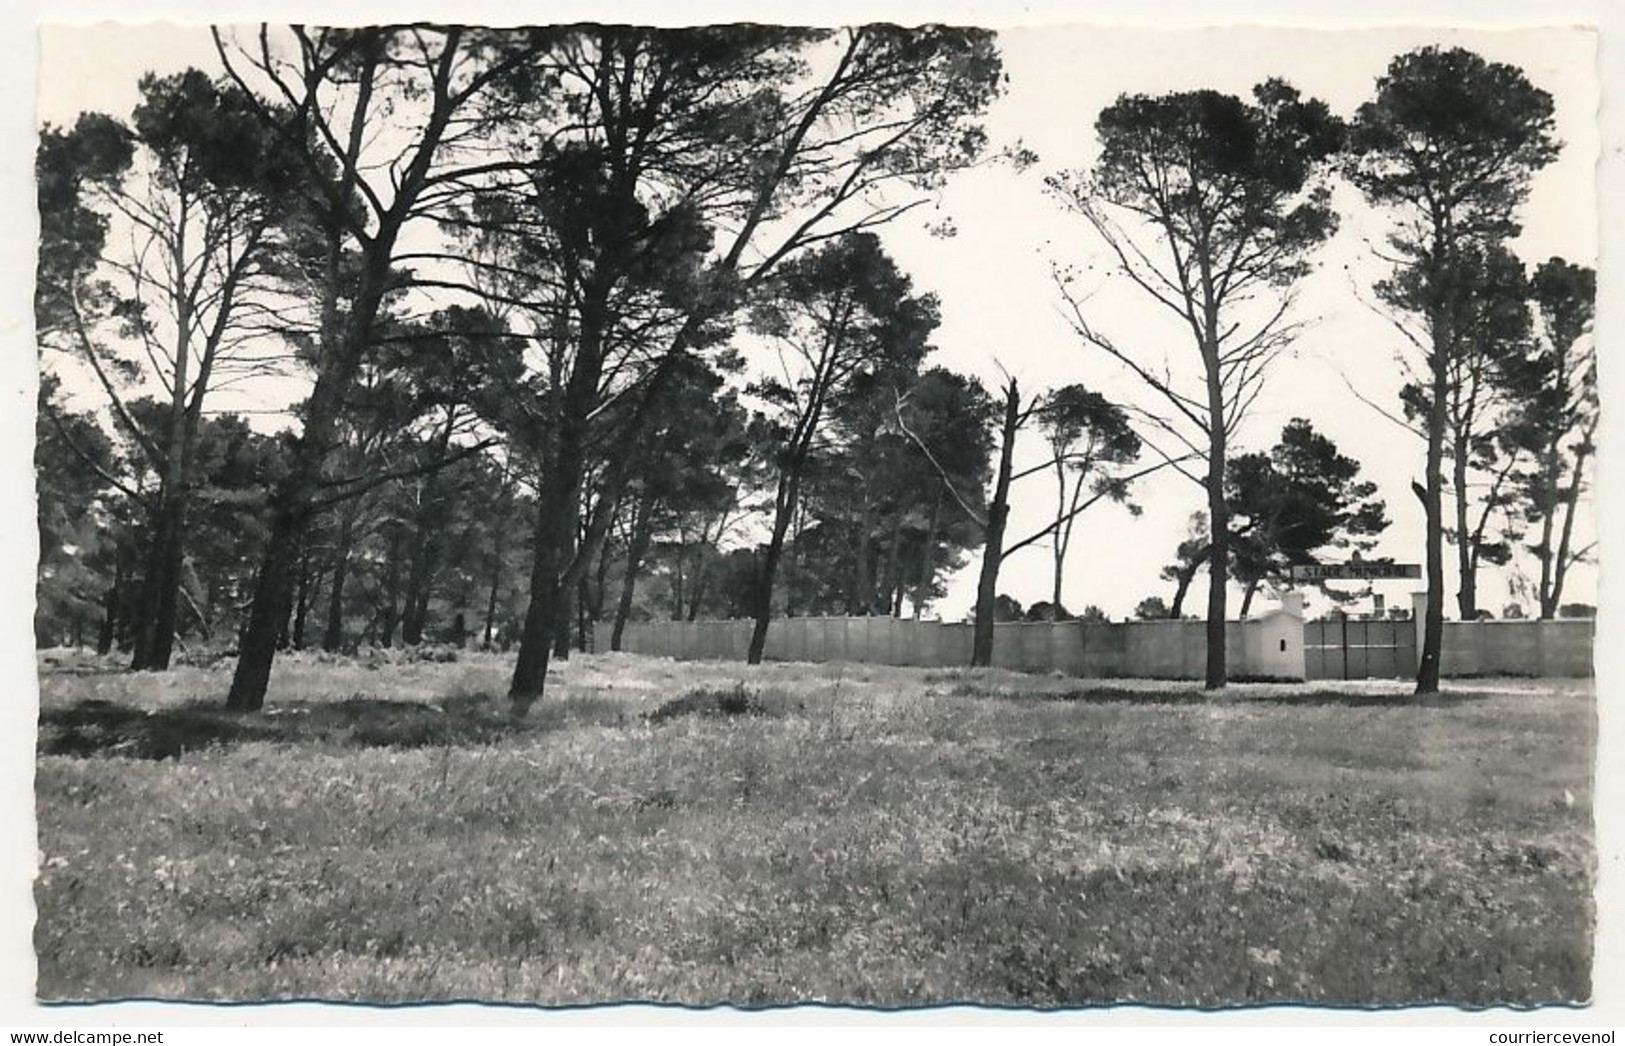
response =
{"points": [[1283, 646]]}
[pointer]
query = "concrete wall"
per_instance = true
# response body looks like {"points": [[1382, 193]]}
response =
{"points": [[1268, 646], [1561, 647]]}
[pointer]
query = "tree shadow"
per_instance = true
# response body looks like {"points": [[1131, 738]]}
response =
{"points": [[104, 728], [1323, 697]]}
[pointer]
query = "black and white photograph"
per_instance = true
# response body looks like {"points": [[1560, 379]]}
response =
{"points": [[713, 511]]}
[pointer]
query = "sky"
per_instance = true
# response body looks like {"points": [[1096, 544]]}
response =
{"points": [[1001, 310]]}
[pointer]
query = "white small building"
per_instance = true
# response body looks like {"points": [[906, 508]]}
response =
{"points": [[1272, 643]]}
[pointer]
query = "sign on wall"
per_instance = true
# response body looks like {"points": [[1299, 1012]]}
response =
{"points": [[1356, 571]]}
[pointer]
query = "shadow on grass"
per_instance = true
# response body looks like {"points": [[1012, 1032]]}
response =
{"points": [[58, 667], [1346, 699], [104, 728], [1309, 698]]}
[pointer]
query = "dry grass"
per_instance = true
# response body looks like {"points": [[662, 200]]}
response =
{"points": [[707, 833]]}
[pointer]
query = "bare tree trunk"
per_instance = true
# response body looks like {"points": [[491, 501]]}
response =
{"points": [[681, 554], [1058, 541], [1182, 584], [569, 603], [922, 585], [496, 584], [155, 633], [1549, 497], [417, 603], [110, 607], [1571, 502], [701, 585], [1247, 597], [862, 602], [792, 572], [1432, 495], [302, 599], [414, 597], [998, 512], [272, 593], [789, 488], [1218, 561], [333, 634], [594, 595], [490, 612], [536, 637], [563, 627], [894, 583], [342, 354], [584, 614], [1466, 557], [787, 495], [559, 511], [295, 569], [392, 590], [424, 551], [257, 644], [636, 549]]}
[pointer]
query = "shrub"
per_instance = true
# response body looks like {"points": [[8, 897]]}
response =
{"points": [[710, 701]]}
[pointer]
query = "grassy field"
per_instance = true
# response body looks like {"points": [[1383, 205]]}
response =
{"points": [[701, 833]]}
